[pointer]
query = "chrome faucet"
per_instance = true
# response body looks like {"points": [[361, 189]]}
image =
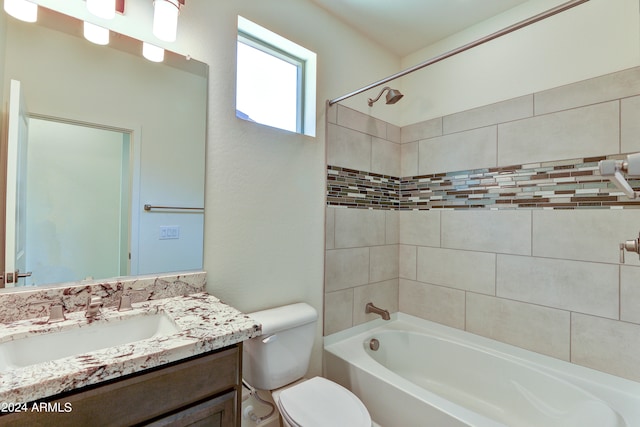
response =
{"points": [[93, 308], [370, 308]]}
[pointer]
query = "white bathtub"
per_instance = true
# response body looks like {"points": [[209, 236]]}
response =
{"points": [[426, 374]]}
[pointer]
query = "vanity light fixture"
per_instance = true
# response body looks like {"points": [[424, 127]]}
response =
{"points": [[152, 52], [22, 9], [105, 9], [165, 19], [96, 34]]}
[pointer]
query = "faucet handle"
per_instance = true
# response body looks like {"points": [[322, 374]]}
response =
{"points": [[630, 246], [56, 313], [125, 303]]}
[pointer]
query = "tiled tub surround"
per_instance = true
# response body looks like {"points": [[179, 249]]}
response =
{"points": [[31, 302], [204, 323], [548, 280]]}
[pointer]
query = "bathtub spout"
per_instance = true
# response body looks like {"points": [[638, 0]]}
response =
{"points": [[370, 308]]}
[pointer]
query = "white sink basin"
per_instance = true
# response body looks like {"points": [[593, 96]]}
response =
{"points": [[99, 335]]}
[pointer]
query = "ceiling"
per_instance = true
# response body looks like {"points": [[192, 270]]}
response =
{"points": [[405, 26]]}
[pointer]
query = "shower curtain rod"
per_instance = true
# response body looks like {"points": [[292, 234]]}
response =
{"points": [[532, 20]]}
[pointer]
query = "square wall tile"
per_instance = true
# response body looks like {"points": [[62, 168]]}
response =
{"points": [[585, 235], [338, 311], [392, 226], [622, 84], [501, 231], [532, 327], [409, 159], [329, 228], [408, 262], [383, 264], [473, 149], [585, 287], [630, 294], [383, 295], [630, 125], [346, 268], [583, 132], [606, 345], [422, 130], [385, 157], [420, 228], [466, 270], [348, 148], [500, 112], [361, 122], [359, 227], [435, 303]]}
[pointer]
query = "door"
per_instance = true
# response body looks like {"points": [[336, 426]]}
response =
{"points": [[15, 232]]}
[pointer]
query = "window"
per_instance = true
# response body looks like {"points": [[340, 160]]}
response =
{"points": [[275, 81]]}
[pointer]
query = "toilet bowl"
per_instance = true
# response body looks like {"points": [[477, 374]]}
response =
{"points": [[277, 361], [319, 402]]}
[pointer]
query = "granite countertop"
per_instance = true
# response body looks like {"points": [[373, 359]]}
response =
{"points": [[204, 323]]}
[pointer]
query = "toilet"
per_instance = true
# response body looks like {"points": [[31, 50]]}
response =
{"points": [[277, 361]]}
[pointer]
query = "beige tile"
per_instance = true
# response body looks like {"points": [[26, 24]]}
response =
{"points": [[420, 228], [359, 227], [348, 148], [630, 294], [584, 235], [408, 263], [503, 231], [392, 227], [338, 311], [583, 132], [383, 264], [599, 89], [500, 112], [466, 270], [435, 303], [472, 149], [409, 159], [422, 130], [540, 329], [382, 294], [385, 157], [330, 227], [394, 133], [332, 113], [346, 268], [606, 345], [361, 122], [630, 125], [585, 287]]}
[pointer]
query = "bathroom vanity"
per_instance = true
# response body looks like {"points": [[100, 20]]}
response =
{"points": [[187, 373]]}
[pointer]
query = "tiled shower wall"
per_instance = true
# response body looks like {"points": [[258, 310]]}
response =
{"points": [[504, 227]]}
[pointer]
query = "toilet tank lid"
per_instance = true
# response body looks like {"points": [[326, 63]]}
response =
{"points": [[286, 317]]}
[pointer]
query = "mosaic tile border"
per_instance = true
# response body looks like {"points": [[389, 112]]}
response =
{"points": [[566, 184]]}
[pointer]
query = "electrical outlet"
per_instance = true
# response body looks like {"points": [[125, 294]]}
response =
{"points": [[169, 232]]}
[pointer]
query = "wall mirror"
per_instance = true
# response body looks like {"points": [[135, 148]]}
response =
{"points": [[103, 133]]}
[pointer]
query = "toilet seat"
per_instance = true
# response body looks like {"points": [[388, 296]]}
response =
{"points": [[319, 402]]}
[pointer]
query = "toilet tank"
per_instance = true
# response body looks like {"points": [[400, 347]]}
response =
{"points": [[281, 354]]}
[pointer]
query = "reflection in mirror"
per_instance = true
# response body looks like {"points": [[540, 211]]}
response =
{"points": [[108, 132]]}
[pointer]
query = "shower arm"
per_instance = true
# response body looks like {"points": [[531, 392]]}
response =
{"points": [[373, 101], [524, 23]]}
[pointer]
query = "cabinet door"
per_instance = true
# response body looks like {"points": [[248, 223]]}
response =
{"points": [[218, 412]]}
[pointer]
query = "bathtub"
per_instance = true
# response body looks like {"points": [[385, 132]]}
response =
{"points": [[426, 374]]}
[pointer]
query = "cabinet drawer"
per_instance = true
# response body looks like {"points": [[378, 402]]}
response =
{"points": [[143, 396]]}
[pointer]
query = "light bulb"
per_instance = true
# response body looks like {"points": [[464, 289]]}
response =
{"points": [[22, 9], [96, 34], [152, 52], [165, 19]]}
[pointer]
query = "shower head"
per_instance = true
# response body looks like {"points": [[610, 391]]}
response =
{"points": [[393, 96]]}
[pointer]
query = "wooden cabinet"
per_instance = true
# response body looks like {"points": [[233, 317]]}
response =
{"points": [[200, 391]]}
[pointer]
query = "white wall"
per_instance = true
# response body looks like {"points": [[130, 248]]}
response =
{"points": [[595, 38], [264, 220]]}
